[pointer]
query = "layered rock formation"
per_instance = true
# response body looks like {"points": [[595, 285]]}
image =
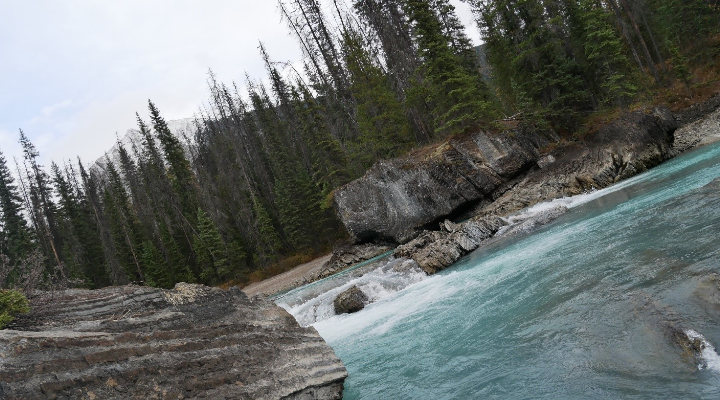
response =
{"points": [[397, 197], [134, 342], [698, 132], [623, 148]]}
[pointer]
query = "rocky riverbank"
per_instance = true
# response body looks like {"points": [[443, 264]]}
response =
{"points": [[135, 342], [424, 203]]}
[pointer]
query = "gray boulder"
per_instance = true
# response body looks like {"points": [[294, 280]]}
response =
{"points": [[350, 301], [395, 199], [434, 251]]}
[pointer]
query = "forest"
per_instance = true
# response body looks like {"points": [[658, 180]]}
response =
{"points": [[250, 193]]}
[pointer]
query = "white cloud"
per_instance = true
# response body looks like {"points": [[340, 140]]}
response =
{"points": [[76, 71]]}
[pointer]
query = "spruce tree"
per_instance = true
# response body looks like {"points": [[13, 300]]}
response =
{"points": [[210, 251], [383, 125], [43, 209], [458, 99], [16, 239]]}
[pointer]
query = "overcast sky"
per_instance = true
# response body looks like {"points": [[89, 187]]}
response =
{"points": [[74, 72]]}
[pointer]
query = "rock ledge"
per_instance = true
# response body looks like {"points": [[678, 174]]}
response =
{"points": [[133, 342]]}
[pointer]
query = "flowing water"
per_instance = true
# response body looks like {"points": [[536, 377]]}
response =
{"points": [[583, 308]]}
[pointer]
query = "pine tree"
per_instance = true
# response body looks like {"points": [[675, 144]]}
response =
{"points": [[43, 209], [126, 234], [16, 239], [156, 271], [459, 100], [383, 125], [180, 172], [609, 67], [210, 251]]}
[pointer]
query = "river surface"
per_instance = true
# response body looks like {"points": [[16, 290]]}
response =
{"points": [[580, 309]]}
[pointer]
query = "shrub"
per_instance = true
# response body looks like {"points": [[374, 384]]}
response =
{"points": [[12, 303]]}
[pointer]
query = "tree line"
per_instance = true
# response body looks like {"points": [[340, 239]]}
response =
{"points": [[254, 183]]}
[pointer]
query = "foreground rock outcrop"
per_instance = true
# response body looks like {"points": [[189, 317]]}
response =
{"points": [[135, 342]]}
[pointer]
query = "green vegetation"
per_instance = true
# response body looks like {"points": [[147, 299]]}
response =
{"points": [[12, 303], [250, 194]]}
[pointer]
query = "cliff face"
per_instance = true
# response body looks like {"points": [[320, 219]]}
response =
{"points": [[142, 343], [397, 197]]}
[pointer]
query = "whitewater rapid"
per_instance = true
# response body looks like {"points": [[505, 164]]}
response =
{"points": [[387, 275]]}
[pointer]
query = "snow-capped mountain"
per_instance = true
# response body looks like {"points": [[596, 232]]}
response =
{"points": [[184, 129]]}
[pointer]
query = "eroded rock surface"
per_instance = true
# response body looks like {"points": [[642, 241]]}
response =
{"points": [[698, 133], [621, 149], [133, 342], [396, 198]]}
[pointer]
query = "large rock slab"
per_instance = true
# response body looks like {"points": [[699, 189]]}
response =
{"points": [[396, 198], [135, 342], [629, 145]]}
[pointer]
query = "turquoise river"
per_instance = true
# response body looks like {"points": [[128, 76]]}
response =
{"points": [[583, 308]]}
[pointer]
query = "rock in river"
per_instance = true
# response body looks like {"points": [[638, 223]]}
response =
{"points": [[350, 301], [132, 342]]}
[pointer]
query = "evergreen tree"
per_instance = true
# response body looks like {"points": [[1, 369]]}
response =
{"points": [[458, 99], [43, 209], [156, 271], [16, 239], [211, 251], [383, 125], [609, 68]]}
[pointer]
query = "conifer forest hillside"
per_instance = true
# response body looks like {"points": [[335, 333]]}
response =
{"points": [[251, 192]]}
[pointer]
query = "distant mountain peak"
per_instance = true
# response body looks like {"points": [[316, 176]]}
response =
{"points": [[132, 139]]}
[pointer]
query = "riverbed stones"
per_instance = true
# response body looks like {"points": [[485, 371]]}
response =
{"points": [[350, 301], [434, 251], [690, 345], [133, 342]]}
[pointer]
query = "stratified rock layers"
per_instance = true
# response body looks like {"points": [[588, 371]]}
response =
{"points": [[135, 342], [396, 197]]}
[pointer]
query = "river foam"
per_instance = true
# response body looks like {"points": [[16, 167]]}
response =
{"points": [[316, 304], [710, 357]]}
